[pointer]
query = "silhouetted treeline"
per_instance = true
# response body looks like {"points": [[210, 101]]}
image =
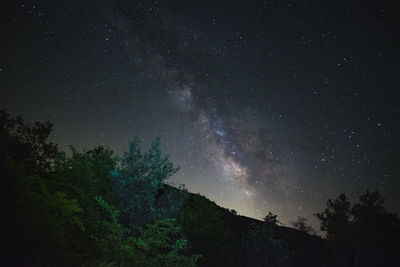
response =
{"points": [[93, 208]]}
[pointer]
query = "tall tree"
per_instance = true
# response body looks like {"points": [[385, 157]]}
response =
{"points": [[85, 175], [39, 214], [335, 219], [362, 234], [140, 185], [26, 144]]}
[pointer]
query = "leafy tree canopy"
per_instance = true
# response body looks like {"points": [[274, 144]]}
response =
{"points": [[140, 185]]}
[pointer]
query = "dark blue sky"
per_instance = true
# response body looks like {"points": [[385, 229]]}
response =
{"points": [[266, 105]]}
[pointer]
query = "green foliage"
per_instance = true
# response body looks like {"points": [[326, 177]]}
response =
{"points": [[63, 210], [40, 215], [42, 218], [153, 245], [157, 237], [84, 175], [109, 234], [140, 185]]}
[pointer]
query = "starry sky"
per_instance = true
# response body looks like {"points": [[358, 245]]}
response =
{"points": [[265, 105]]}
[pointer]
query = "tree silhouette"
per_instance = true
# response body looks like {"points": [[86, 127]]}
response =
{"points": [[26, 144], [271, 219], [335, 219], [301, 225], [39, 214], [363, 234]]}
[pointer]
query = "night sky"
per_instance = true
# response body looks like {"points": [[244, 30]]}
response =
{"points": [[265, 105]]}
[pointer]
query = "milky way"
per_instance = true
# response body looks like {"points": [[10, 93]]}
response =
{"points": [[265, 105]]}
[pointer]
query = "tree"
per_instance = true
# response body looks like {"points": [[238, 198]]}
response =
{"points": [[40, 215], [301, 225], [375, 231], [66, 210], [85, 175], [26, 144], [362, 234], [156, 244], [140, 185], [335, 219], [271, 219]]}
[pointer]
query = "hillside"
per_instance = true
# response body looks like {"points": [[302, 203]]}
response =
{"points": [[220, 245]]}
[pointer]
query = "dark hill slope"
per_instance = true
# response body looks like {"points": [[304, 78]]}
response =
{"points": [[217, 233]]}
